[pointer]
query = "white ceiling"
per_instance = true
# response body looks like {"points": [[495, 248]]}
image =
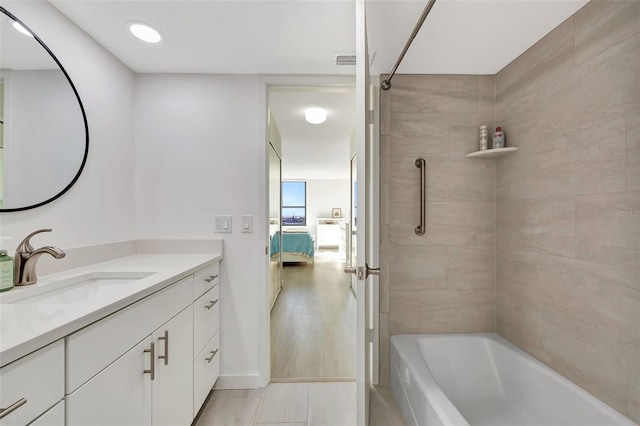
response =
{"points": [[314, 151], [302, 37]]}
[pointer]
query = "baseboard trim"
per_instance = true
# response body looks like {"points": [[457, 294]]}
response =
{"points": [[312, 379], [241, 381]]}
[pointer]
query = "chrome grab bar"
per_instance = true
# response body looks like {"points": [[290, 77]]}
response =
{"points": [[422, 165]]}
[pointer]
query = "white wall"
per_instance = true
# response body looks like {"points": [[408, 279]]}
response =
{"points": [[100, 206], [322, 196], [200, 151]]}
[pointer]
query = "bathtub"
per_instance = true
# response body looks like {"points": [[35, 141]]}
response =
{"points": [[481, 379]]}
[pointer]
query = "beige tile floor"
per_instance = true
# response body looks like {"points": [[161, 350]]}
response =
{"points": [[313, 322], [293, 404]]}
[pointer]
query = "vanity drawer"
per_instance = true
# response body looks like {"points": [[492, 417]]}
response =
{"points": [[206, 369], [38, 378], [94, 347], [206, 318], [205, 279]]}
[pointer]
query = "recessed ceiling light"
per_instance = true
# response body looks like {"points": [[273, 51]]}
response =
{"points": [[22, 29], [145, 32], [315, 115]]}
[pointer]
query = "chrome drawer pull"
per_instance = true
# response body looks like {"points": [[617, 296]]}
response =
{"points": [[13, 407], [166, 347], [211, 278], [152, 352], [211, 303], [212, 356]]}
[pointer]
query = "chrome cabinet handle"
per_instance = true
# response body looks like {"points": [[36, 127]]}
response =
{"points": [[213, 355], [166, 347], [211, 278], [211, 303], [152, 352], [422, 165], [13, 407]]}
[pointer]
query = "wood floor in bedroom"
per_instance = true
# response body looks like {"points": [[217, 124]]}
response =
{"points": [[313, 331]]}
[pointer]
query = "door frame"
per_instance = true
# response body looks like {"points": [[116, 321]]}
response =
{"points": [[266, 83]]}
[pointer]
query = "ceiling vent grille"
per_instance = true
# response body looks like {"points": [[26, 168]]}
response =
{"points": [[345, 59], [350, 59]]}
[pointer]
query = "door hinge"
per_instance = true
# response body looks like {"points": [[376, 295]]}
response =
{"points": [[371, 117], [266, 250], [370, 335]]}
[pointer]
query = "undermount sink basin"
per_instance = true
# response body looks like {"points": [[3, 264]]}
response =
{"points": [[74, 290]]}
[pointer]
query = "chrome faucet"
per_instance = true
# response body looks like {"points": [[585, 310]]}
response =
{"points": [[27, 256]]}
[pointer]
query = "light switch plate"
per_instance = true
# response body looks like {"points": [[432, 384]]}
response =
{"points": [[247, 223], [223, 223]]}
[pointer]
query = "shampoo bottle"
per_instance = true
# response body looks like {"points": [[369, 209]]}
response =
{"points": [[6, 271]]}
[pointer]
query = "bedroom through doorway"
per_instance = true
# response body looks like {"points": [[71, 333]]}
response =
{"points": [[311, 206]]}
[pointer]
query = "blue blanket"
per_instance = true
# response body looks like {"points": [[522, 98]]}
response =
{"points": [[297, 242]]}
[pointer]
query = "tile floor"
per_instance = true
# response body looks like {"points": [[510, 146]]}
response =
{"points": [[298, 404]]}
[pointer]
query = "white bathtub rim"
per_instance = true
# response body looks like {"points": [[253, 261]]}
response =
{"points": [[411, 341], [441, 404]]}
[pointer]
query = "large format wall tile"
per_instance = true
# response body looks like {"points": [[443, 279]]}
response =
{"points": [[545, 61], [602, 25], [608, 228], [633, 152], [568, 202], [436, 93], [433, 278], [544, 225], [608, 86]]}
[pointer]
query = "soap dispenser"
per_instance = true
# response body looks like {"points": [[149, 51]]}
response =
{"points": [[6, 271]]}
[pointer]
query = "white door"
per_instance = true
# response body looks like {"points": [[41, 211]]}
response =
{"points": [[366, 245]]}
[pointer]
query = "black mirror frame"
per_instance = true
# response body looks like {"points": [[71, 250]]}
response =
{"points": [[84, 118]]}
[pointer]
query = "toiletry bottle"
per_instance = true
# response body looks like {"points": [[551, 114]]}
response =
{"points": [[498, 138], [6, 271], [483, 138]]}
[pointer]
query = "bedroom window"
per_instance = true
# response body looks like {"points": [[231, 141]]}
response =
{"points": [[294, 203]]}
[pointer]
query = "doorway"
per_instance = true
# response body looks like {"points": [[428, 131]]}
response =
{"points": [[311, 211]]}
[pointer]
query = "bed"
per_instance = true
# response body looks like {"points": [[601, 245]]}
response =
{"points": [[297, 246]]}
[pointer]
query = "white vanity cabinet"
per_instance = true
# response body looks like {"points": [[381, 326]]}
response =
{"points": [[206, 333], [32, 385], [136, 366]]}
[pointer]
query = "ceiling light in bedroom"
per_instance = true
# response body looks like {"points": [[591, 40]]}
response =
{"points": [[145, 32], [22, 29], [315, 115]]}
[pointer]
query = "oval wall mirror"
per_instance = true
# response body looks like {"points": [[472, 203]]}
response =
{"points": [[44, 138]]}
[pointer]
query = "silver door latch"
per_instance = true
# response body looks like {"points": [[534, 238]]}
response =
{"points": [[362, 272]]}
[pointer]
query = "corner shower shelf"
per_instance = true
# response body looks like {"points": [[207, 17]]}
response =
{"points": [[492, 153]]}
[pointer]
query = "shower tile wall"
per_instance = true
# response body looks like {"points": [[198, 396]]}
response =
{"points": [[444, 281], [568, 202]]}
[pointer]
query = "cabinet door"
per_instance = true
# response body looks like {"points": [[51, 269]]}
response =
{"points": [[173, 384], [118, 395], [53, 417]]}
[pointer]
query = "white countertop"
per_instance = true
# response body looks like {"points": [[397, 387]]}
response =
{"points": [[26, 327]]}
